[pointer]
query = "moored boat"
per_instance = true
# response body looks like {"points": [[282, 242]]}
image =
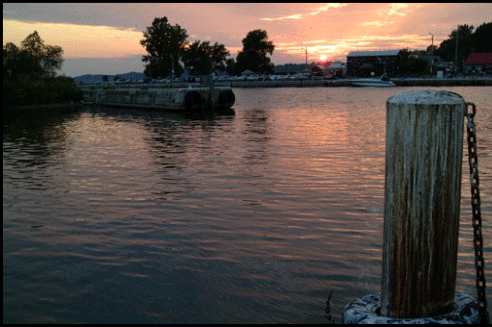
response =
{"points": [[382, 81]]}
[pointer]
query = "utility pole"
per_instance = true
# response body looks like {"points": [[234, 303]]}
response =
{"points": [[172, 71], [432, 52], [306, 56], [456, 55]]}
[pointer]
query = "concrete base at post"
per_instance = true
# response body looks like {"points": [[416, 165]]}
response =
{"points": [[365, 310]]}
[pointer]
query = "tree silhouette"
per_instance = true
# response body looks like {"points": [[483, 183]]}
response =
{"points": [[482, 37], [254, 55], [165, 45], [202, 58], [33, 59], [465, 37]]}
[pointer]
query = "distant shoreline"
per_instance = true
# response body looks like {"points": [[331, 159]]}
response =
{"points": [[347, 82], [313, 83]]}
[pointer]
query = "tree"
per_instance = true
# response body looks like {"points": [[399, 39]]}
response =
{"points": [[33, 59], [165, 45], [202, 58], [231, 67], [48, 56], [431, 49], [447, 48], [17, 63], [197, 58], [410, 65], [219, 54], [105, 78], [482, 37], [254, 55]]}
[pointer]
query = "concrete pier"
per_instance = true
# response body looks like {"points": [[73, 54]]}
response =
{"points": [[183, 99]]}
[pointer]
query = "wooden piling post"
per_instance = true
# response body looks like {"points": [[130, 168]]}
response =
{"points": [[424, 147]]}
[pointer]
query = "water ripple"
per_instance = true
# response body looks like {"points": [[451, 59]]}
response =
{"points": [[121, 216]]}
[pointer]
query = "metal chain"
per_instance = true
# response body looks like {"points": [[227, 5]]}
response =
{"points": [[476, 214]]}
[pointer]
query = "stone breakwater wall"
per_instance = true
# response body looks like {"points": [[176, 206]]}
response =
{"points": [[184, 99]]}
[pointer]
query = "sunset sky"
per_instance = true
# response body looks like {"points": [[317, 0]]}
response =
{"points": [[104, 38]]}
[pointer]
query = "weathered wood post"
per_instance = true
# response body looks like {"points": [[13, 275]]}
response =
{"points": [[424, 147], [424, 141]]}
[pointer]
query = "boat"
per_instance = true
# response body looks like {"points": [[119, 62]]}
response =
{"points": [[382, 81]]}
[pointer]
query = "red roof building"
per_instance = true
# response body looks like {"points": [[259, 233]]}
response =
{"points": [[479, 61], [318, 70]]}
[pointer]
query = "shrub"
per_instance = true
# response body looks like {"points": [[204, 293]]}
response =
{"points": [[43, 91]]}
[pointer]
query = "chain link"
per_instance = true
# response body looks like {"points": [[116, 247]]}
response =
{"points": [[476, 214]]}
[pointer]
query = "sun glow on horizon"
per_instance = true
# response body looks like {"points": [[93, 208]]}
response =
{"points": [[327, 31]]}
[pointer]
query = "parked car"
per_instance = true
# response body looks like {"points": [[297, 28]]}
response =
{"points": [[224, 78], [252, 78], [301, 77]]}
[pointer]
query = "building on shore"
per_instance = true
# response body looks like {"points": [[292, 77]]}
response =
{"points": [[361, 63], [479, 62], [318, 70], [337, 68]]}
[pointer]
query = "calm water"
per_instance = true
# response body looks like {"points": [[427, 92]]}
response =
{"points": [[247, 216]]}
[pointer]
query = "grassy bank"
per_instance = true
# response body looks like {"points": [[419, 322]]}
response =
{"points": [[46, 91]]}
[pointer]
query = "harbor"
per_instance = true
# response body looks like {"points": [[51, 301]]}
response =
{"points": [[183, 96], [252, 215], [247, 163]]}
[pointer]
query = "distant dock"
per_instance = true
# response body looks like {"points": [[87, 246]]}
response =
{"points": [[346, 82], [467, 81]]}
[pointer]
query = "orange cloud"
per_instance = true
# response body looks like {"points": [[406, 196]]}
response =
{"points": [[302, 16], [394, 9], [377, 23], [296, 16]]}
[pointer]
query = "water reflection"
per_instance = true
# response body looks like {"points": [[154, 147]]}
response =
{"points": [[257, 135], [34, 148], [249, 216]]}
